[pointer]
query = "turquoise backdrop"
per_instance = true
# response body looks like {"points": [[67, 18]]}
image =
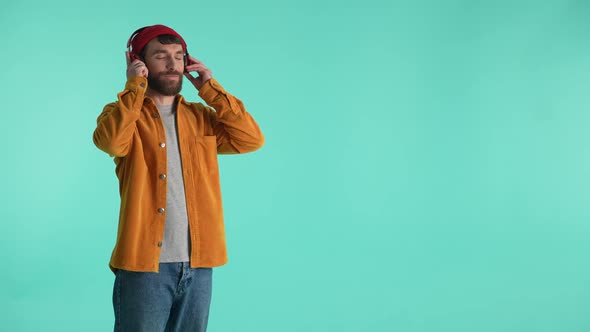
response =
{"points": [[425, 169]]}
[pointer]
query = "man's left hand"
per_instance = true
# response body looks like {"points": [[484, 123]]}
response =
{"points": [[203, 73]]}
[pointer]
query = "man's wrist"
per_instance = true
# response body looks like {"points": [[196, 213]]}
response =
{"points": [[210, 89], [136, 83]]}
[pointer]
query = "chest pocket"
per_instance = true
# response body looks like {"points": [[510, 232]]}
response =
{"points": [[205, 151]]}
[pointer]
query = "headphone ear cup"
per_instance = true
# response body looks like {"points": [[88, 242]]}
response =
{"points": [[187, 61]]}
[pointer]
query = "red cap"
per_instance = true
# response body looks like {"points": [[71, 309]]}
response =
{"points": [[142, 36]]}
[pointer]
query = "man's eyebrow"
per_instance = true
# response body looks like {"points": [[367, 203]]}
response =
{"points": [[160, 51]]}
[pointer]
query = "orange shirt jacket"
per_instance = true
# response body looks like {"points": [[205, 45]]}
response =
{"points": [[131, 130]]}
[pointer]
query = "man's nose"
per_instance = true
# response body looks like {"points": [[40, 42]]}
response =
{"points": [[169, 63]]}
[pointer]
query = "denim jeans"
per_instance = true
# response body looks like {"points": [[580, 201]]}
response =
{"points": [[175, 299]]}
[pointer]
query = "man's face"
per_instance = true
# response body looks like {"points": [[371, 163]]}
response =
{"points": [[165, 64]]}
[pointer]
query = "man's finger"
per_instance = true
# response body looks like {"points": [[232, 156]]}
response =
{"points": [[197, 68]]}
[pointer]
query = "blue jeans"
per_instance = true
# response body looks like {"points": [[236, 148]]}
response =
{"points": [[175, 299]]}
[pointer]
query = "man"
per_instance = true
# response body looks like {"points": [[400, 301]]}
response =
{"points": [[171, 230]]}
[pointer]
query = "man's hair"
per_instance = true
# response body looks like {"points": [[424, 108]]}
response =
{"points": [[164, 39]]}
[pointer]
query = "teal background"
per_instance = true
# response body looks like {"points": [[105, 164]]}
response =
{"points": [[425, 167]]}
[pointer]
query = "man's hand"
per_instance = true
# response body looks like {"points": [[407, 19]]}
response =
{"points": [[136, 67], [204, 74]]}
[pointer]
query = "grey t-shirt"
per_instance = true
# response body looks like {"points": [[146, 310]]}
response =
{"points": [[176, 244]]}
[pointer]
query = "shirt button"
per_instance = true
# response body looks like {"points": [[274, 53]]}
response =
{"points": [[160, 244], [162, 145], [161, 210], [163, 176], [155, 115]]}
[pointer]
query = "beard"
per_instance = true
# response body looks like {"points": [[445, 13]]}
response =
{"points": [[163, 85]]}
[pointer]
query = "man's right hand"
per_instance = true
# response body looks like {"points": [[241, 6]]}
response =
{"points": [[136, 67]]}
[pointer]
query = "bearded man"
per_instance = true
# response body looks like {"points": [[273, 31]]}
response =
{"points": [[171, 229]]}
